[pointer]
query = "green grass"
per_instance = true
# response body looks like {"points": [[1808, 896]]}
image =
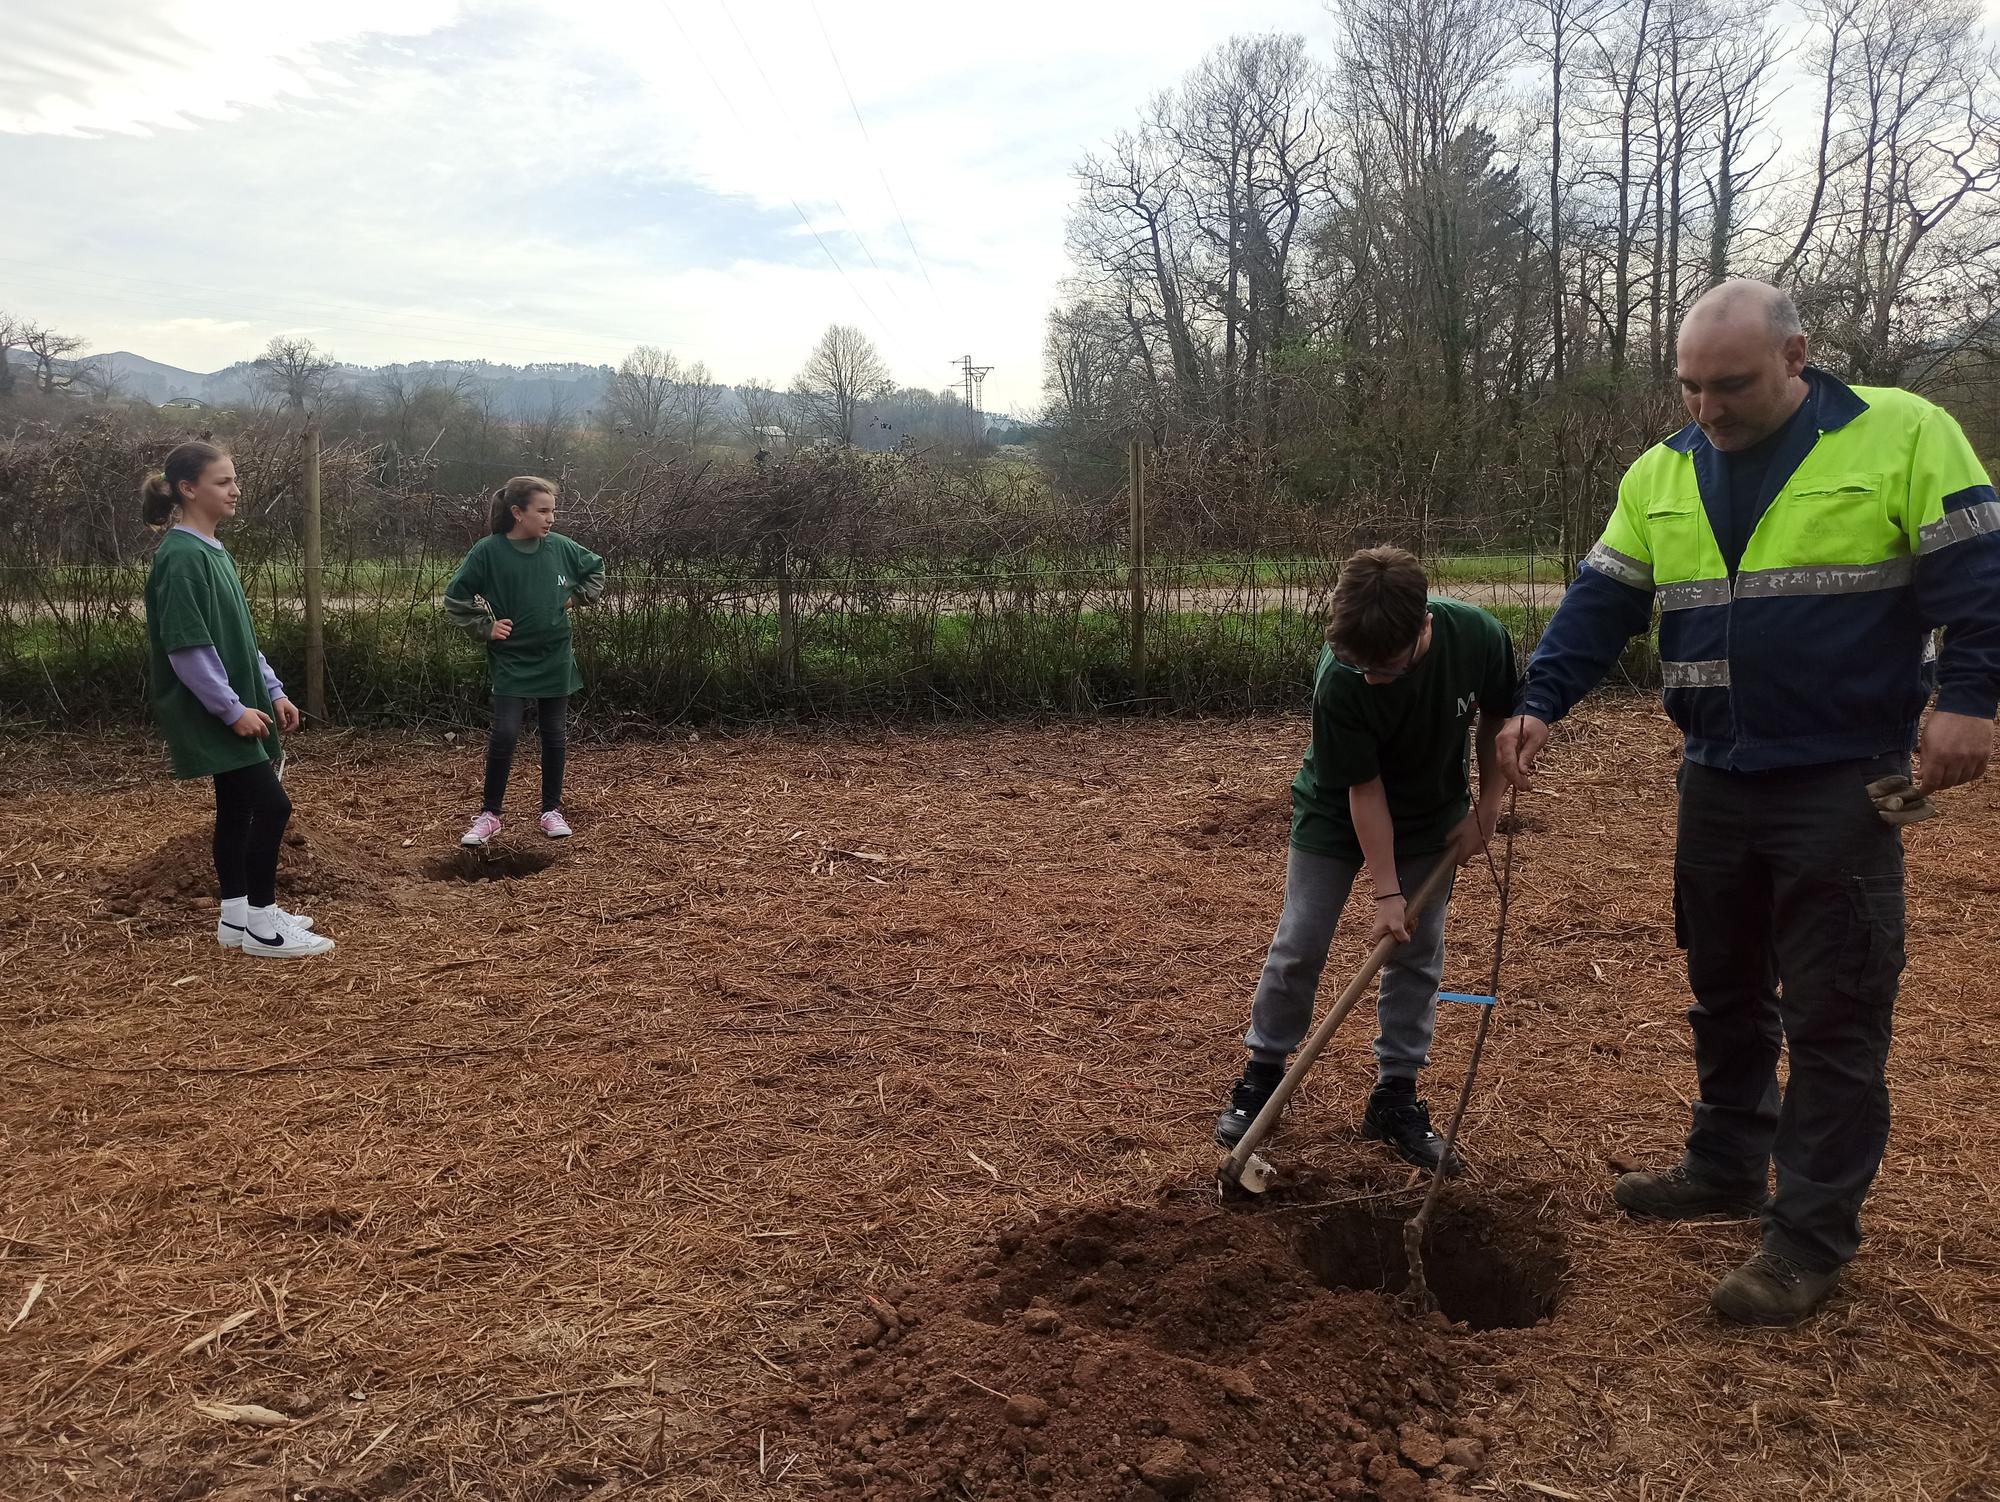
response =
{"points": [[388, 580], [659, 662], [1498, 568]]}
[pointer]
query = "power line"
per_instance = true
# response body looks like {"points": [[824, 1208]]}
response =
{"points": [[799, 137], [873, 155], [730, 105]]}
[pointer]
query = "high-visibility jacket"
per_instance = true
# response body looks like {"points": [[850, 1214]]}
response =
{"points": [[1880, 525]]}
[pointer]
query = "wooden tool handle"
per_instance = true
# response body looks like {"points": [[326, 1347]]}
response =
{"points": [[1434, 883]]}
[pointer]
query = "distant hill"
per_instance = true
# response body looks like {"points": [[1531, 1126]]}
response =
{"points": [[149, 380], [519, 393]]}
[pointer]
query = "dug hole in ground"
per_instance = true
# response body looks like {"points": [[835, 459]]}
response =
{"points": [[830, 1118]]}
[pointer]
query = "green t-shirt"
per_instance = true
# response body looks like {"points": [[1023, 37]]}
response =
{"points": [[194, 598], [1409, 731], [530, 584]]}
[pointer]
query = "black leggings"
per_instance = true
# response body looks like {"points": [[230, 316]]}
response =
{"points": [[507, 711], [251, 811]]}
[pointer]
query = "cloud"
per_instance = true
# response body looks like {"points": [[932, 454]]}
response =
{"points": [[533, 180], [80, 67]]}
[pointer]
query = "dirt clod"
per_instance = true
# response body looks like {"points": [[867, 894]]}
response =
{"points": [[1170, 1469], [1420, 1447], [1467, 1453], [1026, 1412], [1238, 1387]]}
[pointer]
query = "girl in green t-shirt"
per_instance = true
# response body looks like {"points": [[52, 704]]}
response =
{"points": [[217, 701], [514, 592]]}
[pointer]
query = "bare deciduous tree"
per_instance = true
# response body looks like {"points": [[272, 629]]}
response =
{"points": [[1552, 31], [1745, 58], [294, 372], [10, 332], [843, 371], [645, 394], [699, 403], [798, 414], [50, 349], [548, 434], [763, 409], [1901, 223]]}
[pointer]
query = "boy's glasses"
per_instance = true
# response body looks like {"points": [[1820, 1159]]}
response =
{"points": [[1387, 673]]}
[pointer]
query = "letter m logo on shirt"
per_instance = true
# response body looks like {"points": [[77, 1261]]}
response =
{"points": [[1468, 702]]}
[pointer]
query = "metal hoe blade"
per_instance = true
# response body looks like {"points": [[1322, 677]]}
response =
{"points": [[1255, 1176]]}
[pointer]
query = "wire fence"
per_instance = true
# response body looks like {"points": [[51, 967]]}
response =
{"points": [[827, 586]]}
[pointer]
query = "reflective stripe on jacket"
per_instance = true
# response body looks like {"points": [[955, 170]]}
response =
{"points": [[1884, 527]]}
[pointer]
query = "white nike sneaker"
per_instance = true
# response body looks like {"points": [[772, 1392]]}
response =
{"points": [[230, 935], [286, 943]]}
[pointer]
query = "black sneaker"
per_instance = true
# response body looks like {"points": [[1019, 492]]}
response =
{"points": [[1397, 1117], [1246, 1099]]}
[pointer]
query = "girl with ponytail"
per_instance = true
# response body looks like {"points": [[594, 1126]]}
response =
{"points": [[514, 593], [217, 701]]}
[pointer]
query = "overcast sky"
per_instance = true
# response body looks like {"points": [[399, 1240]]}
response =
{"points": [[563, 179]]}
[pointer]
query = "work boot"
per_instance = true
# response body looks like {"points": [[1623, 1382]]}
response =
{"points": [[1397, 1117], [1246, 1099], [1772, 1290], [1676, 1194]]}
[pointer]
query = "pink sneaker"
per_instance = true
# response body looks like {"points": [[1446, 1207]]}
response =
{"points": [[554, 825], [483, 829]]}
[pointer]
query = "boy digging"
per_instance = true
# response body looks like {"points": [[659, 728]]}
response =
{"points": [[1382, 790]]}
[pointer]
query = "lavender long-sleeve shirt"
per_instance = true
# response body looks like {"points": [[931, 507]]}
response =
{"points": [[200, 671]]}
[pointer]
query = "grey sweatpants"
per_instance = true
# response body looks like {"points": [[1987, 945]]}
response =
{"points": [[1316, 888]]}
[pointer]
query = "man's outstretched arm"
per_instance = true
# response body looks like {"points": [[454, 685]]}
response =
{"points": [[1610, 602]]}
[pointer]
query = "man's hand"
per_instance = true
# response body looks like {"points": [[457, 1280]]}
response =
{"points": [[254, 725], [288, 715], [501, 631], [1475, 831], [1955, 749], [1392, 918], [1520, 746]]}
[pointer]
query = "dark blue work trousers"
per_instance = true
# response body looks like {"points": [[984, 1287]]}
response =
{"points": [[1788, 898]]}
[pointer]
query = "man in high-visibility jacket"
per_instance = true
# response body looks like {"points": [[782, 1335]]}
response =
{"points": [[1803, 540]]}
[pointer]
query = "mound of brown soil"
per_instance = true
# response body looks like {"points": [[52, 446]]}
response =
{"points": [[311, 863], [1176, 1351], [1233, 821]]}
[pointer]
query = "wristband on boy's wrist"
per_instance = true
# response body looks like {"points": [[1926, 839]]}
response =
{"points": [[1386, 896]]}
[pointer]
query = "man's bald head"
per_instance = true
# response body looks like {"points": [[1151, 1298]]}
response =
{"points": [[1742, 357], [1744, 304]]}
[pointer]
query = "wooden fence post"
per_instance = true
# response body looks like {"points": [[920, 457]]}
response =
{"points": [[788, 624], [315, 597], [1135, 467]]}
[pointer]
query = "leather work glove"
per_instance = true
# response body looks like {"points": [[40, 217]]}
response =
{"points": [[1899, 801]]}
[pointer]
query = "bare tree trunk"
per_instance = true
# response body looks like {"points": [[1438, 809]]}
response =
{"points": [[1835, 16]]}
